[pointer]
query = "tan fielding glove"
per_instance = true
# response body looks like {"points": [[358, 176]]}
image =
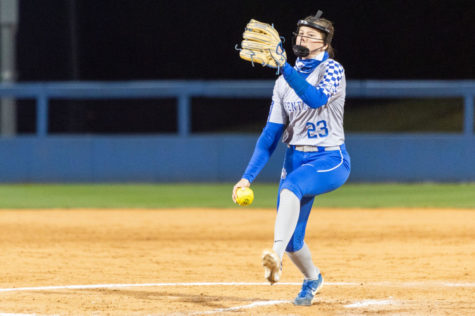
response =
{"points": [[262, 44]]}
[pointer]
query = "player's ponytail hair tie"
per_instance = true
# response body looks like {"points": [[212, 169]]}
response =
{"points": [[320, 24]]}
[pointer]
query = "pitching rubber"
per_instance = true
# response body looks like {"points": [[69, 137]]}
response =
{"points": [[272, 266]]}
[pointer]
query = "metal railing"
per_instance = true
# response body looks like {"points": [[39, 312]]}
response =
{"points": [[185, 90]]}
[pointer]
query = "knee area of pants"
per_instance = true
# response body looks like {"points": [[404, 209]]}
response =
{"points": [[292, 188]]}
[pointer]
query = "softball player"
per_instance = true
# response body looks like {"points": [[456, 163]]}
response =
{"points": [[307, 112]]}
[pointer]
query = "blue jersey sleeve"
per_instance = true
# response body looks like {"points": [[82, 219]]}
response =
{"points": [[265, 146], [314, 97]]}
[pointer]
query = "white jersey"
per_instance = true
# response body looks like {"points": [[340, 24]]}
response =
{"points": [[307, 126]]}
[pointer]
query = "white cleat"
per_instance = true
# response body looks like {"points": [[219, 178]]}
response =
{"points": [[272, 266]]}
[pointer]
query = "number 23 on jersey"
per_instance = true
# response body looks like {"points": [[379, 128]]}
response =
{"points": [[317, 130]]}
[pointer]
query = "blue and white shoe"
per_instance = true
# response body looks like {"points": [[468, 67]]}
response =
{"points": [[309, 289]]}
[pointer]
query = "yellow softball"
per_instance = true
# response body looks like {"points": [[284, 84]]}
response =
{"points": [[244, 196]]}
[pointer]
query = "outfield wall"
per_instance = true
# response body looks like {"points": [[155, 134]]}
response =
{"points": [[379, 157], [186, 156]]}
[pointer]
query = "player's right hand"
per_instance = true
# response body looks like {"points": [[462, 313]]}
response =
{"points": [[243, 183]]}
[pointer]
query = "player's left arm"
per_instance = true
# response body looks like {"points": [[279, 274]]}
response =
{"points": [[315, 96]]}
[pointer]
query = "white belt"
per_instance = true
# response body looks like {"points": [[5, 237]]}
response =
{"points": [[308, 148]]}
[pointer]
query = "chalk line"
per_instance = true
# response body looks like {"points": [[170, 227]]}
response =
{"points": [[107, 286], [367, 303], [236, 308], [460, 284], [12, 314]]}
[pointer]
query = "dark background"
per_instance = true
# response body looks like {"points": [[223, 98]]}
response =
{"points": [[150, 40]]}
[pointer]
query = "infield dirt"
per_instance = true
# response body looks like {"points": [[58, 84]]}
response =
{"points": [[377, 261]]}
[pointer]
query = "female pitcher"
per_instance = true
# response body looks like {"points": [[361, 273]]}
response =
{"points": [[307, 112]]}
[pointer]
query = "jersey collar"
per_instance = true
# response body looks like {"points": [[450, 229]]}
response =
{"points": [[306, 66]]}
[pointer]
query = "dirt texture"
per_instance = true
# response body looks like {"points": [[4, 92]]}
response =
{"points": [[207, 262]]}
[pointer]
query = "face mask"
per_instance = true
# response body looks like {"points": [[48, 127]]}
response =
{"points": [[302, 51], [299, 50]]}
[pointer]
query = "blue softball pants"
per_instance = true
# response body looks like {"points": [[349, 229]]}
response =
{"points": [[308, 174]]}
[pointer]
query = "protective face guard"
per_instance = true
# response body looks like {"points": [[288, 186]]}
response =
{"points": [[313, 26], [299, 50]]}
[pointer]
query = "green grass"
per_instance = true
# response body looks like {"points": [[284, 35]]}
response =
{"points": [[219, 196]]}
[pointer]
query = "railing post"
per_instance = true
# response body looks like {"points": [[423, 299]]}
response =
{"points": [[468, 115], [42, 115], [184, 119]]}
